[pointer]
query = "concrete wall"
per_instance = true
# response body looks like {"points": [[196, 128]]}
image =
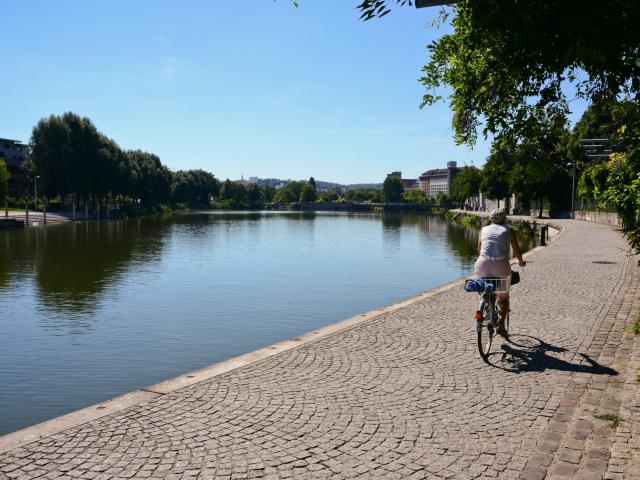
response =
{"points": [[599, 217]]}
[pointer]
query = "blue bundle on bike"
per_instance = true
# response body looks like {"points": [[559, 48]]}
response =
{"points": [[478, 285]]}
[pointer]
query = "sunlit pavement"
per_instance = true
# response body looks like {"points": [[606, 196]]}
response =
{"points": [[405, 394]]}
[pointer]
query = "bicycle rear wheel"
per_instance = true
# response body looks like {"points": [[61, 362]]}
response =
{"points": [[484, 329]]}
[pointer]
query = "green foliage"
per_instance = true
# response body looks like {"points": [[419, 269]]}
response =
{"points": [[494, 181], [234, 193], [255, 195], [533, 167], [150, 180], [506, 62], [392, 189], [441, 198], [377, 8], [361, 195], [615, 182], [415, 195], [4, 179], [597, 121], [330, 195], [507, 65], [466, 184], [194, 187], [308, 194], [312, 182], [290, 193], [268, 192], [73, 159]]}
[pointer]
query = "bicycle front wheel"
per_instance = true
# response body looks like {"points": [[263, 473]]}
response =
{"points": [[484, 329]]}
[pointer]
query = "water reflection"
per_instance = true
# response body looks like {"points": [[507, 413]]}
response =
{"points": [[74, 264]]}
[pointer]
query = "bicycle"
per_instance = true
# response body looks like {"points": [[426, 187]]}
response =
{"points": [[487, 312]]}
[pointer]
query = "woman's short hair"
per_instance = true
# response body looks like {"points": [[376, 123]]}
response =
{"points": [[499, 215]]}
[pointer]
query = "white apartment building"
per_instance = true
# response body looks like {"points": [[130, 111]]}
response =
{"points": [[438, 180]]}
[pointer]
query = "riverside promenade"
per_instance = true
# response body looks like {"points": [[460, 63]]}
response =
{"points": [[400, 392]]}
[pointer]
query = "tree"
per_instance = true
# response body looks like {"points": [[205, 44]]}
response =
{"points": [[290, 193], [359, 194], [615, 181], [312, 182], [308, 194], [466, 184], [4, 184], [152, 180], [508, 61], [268, 192], [194, 187], [234, 192], [255, 196], [415, 195], [331, 195], [392, 189]]}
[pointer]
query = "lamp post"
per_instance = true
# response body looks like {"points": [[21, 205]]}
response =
{"points": [[35, 192], [573, 188]]}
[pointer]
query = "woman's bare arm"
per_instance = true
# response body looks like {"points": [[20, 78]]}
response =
{"points": [[516, 249]]}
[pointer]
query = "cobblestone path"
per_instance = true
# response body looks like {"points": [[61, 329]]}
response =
{"points": [[405, 395]]}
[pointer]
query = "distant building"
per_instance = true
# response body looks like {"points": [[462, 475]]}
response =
{"points": [[438, 180], [253, 179], [15, 153], [407, 183]]}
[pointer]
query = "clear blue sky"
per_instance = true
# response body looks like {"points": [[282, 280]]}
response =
{"points": [[251, 87]]}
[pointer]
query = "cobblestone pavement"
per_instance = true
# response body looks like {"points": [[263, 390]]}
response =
{"points": [[405, 395]]}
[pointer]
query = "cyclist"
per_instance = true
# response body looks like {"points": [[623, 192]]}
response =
{"points": [[493, 260]]}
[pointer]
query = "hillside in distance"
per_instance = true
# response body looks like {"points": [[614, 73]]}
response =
{"points": [[322, 185]]}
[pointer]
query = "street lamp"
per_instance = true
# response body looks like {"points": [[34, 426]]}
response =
{"points": [[573, 188], [35, 193]]}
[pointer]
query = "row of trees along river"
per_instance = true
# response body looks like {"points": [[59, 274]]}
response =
{"points": [[77, 165]]}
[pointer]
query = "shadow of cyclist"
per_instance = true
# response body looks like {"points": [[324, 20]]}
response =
{"points": [[525, 353]]}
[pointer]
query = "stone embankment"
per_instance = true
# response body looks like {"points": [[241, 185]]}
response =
{"points": [[397, 393]]}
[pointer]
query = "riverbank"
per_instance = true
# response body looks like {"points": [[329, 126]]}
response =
{"points": [[397, 392], [37, 217]]}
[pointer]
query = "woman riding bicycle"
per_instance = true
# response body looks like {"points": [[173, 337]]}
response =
{"points": [[493, 260]]}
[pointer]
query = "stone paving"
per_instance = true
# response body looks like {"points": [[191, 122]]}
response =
{"points": [[405, 394]]}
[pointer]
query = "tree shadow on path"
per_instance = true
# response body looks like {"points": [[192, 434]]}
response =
{"points": [[525, 353]]}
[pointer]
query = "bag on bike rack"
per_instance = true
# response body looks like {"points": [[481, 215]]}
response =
{"points": [[515, 277]]}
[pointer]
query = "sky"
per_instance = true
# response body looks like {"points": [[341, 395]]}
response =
{"points": [[253, 88]]}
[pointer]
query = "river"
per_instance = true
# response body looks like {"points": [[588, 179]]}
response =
{"points": [[93, 310]]}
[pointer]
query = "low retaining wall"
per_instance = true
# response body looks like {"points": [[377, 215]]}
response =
{"points": [[599, 217]]}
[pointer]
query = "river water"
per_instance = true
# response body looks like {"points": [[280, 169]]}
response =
{"points": [[93, 310]]}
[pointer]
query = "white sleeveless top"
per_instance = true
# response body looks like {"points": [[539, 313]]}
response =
{"points": [[496, 240]]}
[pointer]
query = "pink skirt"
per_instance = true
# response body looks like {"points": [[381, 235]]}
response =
{"points": [[495, 268]]}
